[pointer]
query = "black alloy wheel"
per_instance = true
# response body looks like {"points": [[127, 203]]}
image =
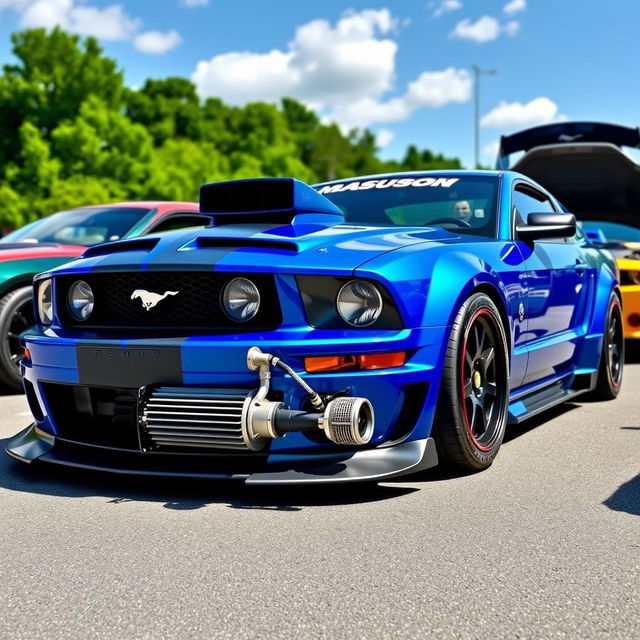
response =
{"points": [[16, 315], [471, 416], [482, 393], [611, 367]]}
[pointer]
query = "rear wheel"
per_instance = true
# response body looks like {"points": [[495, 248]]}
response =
{"points": [[471, 415], [612, 358], [16, 315]]}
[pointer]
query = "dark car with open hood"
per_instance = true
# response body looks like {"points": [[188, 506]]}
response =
{"points": [[593, 169]]}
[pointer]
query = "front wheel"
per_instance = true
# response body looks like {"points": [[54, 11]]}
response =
{"points": [[471, 416], [612, 359], [16, 315]]}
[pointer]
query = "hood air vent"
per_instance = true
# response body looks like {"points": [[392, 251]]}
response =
{"points": [[240, 243], [143, 244], [267, 201]]}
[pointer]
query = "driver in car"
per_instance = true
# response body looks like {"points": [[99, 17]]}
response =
{"points": [[462, 210]]}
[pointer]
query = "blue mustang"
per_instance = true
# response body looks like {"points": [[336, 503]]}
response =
{"points": [[358, 330]]}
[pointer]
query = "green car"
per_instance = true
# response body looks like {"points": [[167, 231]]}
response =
{"points": [[59, 238]]}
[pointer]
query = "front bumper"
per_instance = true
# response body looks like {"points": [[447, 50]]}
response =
{"points": [[366, 465], [404, 400]]}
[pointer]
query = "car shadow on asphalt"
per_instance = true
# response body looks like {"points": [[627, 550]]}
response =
{"points": [[181, 493], [626, 498], [195, 493]]}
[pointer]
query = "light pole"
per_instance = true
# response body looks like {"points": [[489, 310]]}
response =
{"points": [[477, 72]]}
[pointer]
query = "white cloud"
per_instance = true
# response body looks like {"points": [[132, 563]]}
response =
{"points": [[342, 70], [485, 29], [16, 5], [511, 28], [323, 63], [156, 42], [110, 23], [196, 3], [444, 6], [511, 115], [383, 137], [107, 23], [515, 6]]}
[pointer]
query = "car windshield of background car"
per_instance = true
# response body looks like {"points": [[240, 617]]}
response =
{"points": [[84, 227], [456, 203]]}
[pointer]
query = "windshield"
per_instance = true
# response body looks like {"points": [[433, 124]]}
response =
{"points": [[464, 204], [84, 227], [601, 231]]}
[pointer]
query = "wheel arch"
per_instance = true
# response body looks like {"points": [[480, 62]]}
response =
{"points": [[497, 299], [14, 284]]}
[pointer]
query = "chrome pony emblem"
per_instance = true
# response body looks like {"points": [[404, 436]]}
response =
{"points": [[150, 299]]}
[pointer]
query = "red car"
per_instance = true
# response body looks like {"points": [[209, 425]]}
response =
{"points": [[61, 237]]}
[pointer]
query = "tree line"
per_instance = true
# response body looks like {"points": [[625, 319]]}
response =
{"points": [[72, 133]]}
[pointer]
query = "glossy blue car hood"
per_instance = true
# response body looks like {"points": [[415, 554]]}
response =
{"points": [[301, 249]]}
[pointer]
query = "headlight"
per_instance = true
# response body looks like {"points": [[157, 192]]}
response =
{"points": [[45, 301], [241, 300], [81, 300], [359, 303]]}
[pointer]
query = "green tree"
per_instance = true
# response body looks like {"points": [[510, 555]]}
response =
{"points": [[168, 108], [54, 75]]}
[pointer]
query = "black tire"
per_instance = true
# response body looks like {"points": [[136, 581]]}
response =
{"points": [[16, 315], [611, 366], [473, 382]]}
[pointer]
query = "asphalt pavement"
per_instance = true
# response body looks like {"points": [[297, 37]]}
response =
{"points": [[544, 544]]}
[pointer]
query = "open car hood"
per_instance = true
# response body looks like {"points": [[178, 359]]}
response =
{"points": [[594, 180]]}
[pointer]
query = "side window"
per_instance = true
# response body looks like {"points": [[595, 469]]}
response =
{"points": [[527, 200], [175, 221]]}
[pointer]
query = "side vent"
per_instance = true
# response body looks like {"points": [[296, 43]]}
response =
{"points": [[143, 244]]}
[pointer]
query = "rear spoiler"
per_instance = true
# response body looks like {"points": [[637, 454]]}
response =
{"points": [[566, 132]]}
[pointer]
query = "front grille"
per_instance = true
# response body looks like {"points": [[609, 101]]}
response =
{"points": [[195, 418], [96, 416], [196, 307]]}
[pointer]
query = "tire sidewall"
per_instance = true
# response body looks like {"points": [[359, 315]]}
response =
{"points": [[615, 306], [9, 376], [477, 302]]}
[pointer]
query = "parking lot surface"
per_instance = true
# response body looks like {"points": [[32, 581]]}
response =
{"points": [[544, 544]]}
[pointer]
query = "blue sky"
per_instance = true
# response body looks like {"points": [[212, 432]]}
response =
{"points": [[400, 67]]}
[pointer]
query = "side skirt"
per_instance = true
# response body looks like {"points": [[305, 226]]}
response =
{"points": [[523, 406]]}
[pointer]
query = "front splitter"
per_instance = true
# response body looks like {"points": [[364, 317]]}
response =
{"points": [[367, 465]]}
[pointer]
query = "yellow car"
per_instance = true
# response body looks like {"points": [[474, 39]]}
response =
{"points": [[630, 288]]}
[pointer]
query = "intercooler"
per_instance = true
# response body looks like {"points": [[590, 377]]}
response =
{"points": [[196, 417]]}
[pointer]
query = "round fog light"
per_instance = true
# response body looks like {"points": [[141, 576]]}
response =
{"points": [[81, 300], [241, 300], [359, 303]]}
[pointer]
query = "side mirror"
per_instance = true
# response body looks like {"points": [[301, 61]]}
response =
{"points": [[547, 225]]}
